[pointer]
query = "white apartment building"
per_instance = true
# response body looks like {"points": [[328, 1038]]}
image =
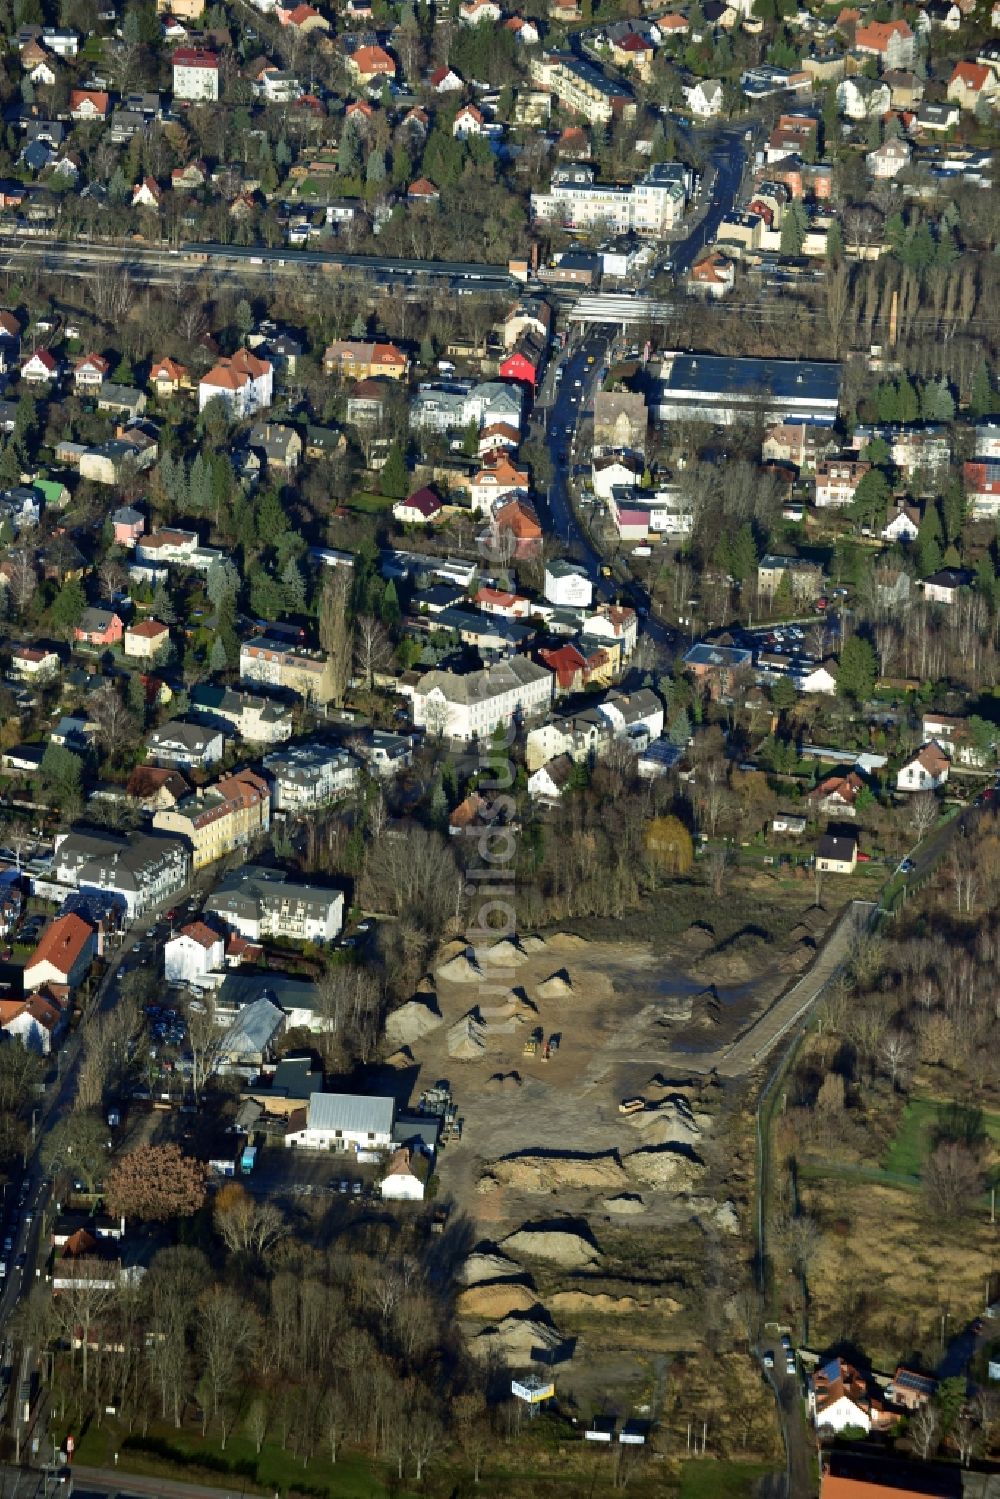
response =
{"points": [[196, 74], [258, 903], [309, 774], [471, 705], [653, 206]]}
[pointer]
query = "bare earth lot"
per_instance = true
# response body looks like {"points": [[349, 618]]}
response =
{"points": [[592, 1225]]}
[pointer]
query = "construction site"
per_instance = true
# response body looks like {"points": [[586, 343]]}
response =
{"points": [[588, 1137]]}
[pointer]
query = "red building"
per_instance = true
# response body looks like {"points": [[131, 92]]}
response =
{"points": [[524, 362]]}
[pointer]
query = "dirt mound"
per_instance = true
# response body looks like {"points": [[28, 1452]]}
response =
{"points": [[560, 1246], [493, 1302], [503, 954], [484, 1265], [532, 944], [699, 937], [670, 1122], [600, 1302], [727, 1218], [412, 1020], [461, 969], [660, 1166], [519, 1340], [567, 942], [511, 1010], [625, 1202], [548, 1173], [467, 1038], [506, 1082], [557, 986], [400, 1059]]}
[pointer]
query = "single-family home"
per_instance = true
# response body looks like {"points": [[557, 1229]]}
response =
{"points": [[891, 42], [421, 508], [40, 368], [945, 586], [970, 82], [925, 771], [902, 523], [185, 746], [888, 160], [64, 953], [128, 524], [704, 98], [146, 639], [839, 1398], [836, 795], [90, 372], [366, 64], [837, 853], [168, 378], [100, 627], [147, 194], [405, 1178], [196, 951]]}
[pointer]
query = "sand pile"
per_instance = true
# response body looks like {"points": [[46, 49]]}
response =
{"points": [[518, 1340], [503, 954], [558, 986], [531, 945], [412, 1020], [578, 1302], [484, 1264], [567, 942], [669, 1122], [623, 1204], [467, 1038], [400, 1059], [560, 1246], [493, 1301], [659, 1166], [548, 1173], [461, 969], [512, 1010]]}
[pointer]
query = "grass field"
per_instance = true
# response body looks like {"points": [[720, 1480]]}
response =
{"points": [[914, 1138], [186, 1456], [704, 1479], [370, 504]]}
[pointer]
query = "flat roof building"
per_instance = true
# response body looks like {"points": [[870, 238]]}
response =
{"points": [[718, 389]]}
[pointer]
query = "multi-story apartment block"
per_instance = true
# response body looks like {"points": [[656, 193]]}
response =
{"points": [[264, 903], [582, 88], [652, 206], [472, 705], [837, 479], [310, 773], [269, 662], [217, 820]]}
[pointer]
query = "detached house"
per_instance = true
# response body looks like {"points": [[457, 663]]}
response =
{"points": [[839, 1397], [40, 368], [970, 82], [356, 360], [100, 627], [63, 955], [837, 795], [146, 194], [90, 372], [418, 509], [168, 378], [892, 42], [88, 104], [837, 479], [366, 64], [926, 771], [497, 482]]}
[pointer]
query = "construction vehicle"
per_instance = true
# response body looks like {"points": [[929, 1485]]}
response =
{"points": [[530, 1047], [554, 1041]]}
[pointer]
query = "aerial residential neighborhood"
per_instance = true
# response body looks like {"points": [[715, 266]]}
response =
{"points": [[500, 749]]}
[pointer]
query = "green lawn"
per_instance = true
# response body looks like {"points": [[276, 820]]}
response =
{"points": [[915, 1135], [370, 504], [186, 1456], [703, 1479]]}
